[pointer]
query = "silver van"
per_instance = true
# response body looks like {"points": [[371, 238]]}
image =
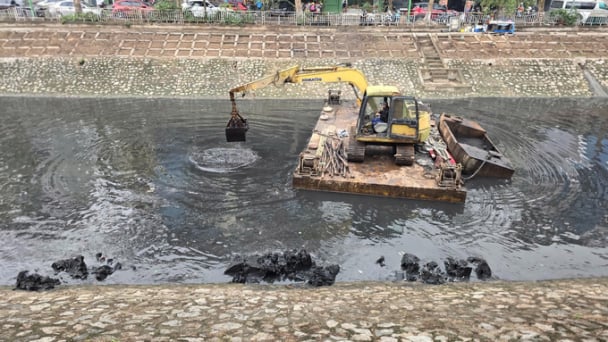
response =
{"points": [[10, 3], [589, 11]]}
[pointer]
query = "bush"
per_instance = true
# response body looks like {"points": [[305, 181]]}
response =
{"points": [[79, 18], [164, 5], [564, 17]]}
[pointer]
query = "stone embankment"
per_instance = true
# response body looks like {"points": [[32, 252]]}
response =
{"points": [[206, 62]]}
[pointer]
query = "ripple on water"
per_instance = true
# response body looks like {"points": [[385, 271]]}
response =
{"points": [[222, 159]]}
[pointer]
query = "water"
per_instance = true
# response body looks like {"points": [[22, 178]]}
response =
{"points": [[153, 184]]}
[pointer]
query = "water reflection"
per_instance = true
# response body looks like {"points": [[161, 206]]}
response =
{"points": [[152, 183]]}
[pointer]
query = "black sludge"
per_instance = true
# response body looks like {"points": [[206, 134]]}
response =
{"points": [[290, 265], [35, 282], [409, 263], [432, 274], [482, 269], [75, 267], [457, 270], [323, 276]]}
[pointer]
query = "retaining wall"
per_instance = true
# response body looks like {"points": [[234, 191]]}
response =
{"points": [[207, 61]]}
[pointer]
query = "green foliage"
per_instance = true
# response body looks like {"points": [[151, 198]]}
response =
{"points": [[163, 5], [564, 17], [501, 7], [366, 6], [80, 18]]}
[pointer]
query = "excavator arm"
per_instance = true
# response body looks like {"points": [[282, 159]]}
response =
{"points": [[237, 125]]}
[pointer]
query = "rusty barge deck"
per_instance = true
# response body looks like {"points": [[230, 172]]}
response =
{"points": [[377, 175]]}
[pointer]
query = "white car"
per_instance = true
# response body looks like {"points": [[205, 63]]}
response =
{"points": [[41, 7], [197, 8], [66, 7]]}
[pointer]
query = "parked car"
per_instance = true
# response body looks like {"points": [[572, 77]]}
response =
{"points": [[420, 9], [66, 7], [10, 3], [41, 7], [126, 8], [198, 8]]}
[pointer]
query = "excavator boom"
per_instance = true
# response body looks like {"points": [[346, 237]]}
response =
{"points": [[237, 125]]}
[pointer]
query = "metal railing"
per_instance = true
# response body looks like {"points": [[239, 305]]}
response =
{"points": [[224, 17]]}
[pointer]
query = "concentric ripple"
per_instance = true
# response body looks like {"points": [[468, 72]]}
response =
{"points": [[154, 184], [222, 159]]}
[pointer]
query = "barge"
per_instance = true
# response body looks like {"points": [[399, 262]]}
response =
{"points": [[473, 148], [378, 175]]}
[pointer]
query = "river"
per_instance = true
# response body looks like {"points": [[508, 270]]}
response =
{"points": [[152, 184]]}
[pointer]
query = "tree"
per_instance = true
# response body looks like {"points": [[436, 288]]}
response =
{"points": [[77, 7], [429, 11], [501, 7]]}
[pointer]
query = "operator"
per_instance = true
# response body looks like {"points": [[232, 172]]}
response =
{"points": [[383, 112], [381, 116]]}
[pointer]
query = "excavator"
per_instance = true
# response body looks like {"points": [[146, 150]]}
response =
{"points": [[407, 122]]}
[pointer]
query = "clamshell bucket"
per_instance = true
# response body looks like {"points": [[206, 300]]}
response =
{"points": [[236, 128]]}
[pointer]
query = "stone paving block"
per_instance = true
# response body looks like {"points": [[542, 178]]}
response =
{"points": [[128, 44], [157, 44], [216, 38], [183, 53], [227, 52], [200, 44], [104, 35], [8, 51], [139, 52], [12, 43], [168, 52], [298, 53], [171, 45], [124, 52], [327, 53], [256, 53], [154, 52], [272, 54]]}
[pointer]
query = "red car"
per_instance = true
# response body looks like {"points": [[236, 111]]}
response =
{"points": [[420, 9], [127, 8]]}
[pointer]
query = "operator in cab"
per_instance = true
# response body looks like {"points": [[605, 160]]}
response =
{"points": [[380, 118], [383, 111]]}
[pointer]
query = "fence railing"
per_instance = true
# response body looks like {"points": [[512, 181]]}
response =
{"points": [[224, 17]]}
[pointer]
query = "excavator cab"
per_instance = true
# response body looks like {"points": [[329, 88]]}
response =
{"points": [[406, 123]]}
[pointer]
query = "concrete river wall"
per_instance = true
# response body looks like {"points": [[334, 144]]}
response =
{"points": [[205, 61]]}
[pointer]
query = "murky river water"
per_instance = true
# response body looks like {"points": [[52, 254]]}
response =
{"points": [[153, 184]]}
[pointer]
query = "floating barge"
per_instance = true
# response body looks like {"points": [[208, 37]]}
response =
{"points": [[378, 174], [473, 149]]}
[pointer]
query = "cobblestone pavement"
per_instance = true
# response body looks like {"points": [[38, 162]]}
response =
{"points": [[565, 310]]}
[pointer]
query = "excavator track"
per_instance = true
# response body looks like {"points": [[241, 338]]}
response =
{"points": [[356, 149], [404, 155]]}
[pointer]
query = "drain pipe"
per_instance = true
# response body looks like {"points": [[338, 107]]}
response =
{"points": [[596, 87]]}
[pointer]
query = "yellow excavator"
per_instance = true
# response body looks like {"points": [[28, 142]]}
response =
{"points": [[406, 122]]}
